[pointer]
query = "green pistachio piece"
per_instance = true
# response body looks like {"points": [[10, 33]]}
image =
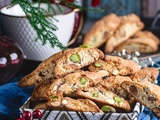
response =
{"points": [[107, 108], [117, 99], [86, 46], [97, 64], [54, 97], [83, 81], [75, 58], [95, 94], [94, 39]]}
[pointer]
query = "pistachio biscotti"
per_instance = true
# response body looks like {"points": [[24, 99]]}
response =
{"points": [[61, 64], [114, 65], [130, 24], [102, 30], [67, 85], [102, 97]]}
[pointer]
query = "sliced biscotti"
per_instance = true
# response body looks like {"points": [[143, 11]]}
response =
{"points": [[113, 65], [43, 72], [113, 83], [147, 73], [68, 85], [142, 45], [102, 97], [147, 34], [83, 105], [102, 30], [146, 93], [76, 59], [130, 24]]}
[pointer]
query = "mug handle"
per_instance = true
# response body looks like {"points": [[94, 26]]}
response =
{"points": [[74, 37]]}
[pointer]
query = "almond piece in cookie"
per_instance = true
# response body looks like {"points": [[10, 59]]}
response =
{"points": [[102, 30], [146, 93]]}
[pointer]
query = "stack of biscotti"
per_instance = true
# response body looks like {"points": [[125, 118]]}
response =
{"points": [[84, 79], [121, 32]]}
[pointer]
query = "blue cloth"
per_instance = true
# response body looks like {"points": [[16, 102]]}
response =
{"points": [[12, 98]]}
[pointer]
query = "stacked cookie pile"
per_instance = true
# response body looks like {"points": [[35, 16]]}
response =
{"points": [[84, 79], [121, 32]]}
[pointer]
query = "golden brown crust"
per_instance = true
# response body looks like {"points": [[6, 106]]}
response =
{"points": [[130, 24], [148, 34], [43, 72], [146, 93], [147, 73], [86, 55], [102, 30], [103, 97]]}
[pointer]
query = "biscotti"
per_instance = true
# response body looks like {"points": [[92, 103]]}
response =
{"points": [[68, 85], [76, 59], [142, 45], [147, 73], [130, 24], [102, 97], [113, 65], [102, 30], [113, 83], [146, 93], [43, 72], [147, 34]]}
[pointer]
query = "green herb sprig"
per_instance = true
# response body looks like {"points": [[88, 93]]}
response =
{"points": [[43, 25]]}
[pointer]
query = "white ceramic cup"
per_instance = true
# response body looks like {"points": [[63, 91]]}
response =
{"points": [[15, 25]]}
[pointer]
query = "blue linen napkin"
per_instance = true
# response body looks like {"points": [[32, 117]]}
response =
{"points": [[12, 98]]}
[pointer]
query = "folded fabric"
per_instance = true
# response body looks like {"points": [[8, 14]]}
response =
{"points": [[11, 99]]}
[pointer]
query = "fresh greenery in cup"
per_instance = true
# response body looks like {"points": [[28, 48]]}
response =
{"points": [[44, 27]]}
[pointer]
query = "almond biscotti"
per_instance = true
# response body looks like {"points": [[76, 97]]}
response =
{"points": [[102, 97], [113, 65], [102, 30], [76, 59], [68, 85], [43, 72], [146, 93], [130, 24], [147, 73]]}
